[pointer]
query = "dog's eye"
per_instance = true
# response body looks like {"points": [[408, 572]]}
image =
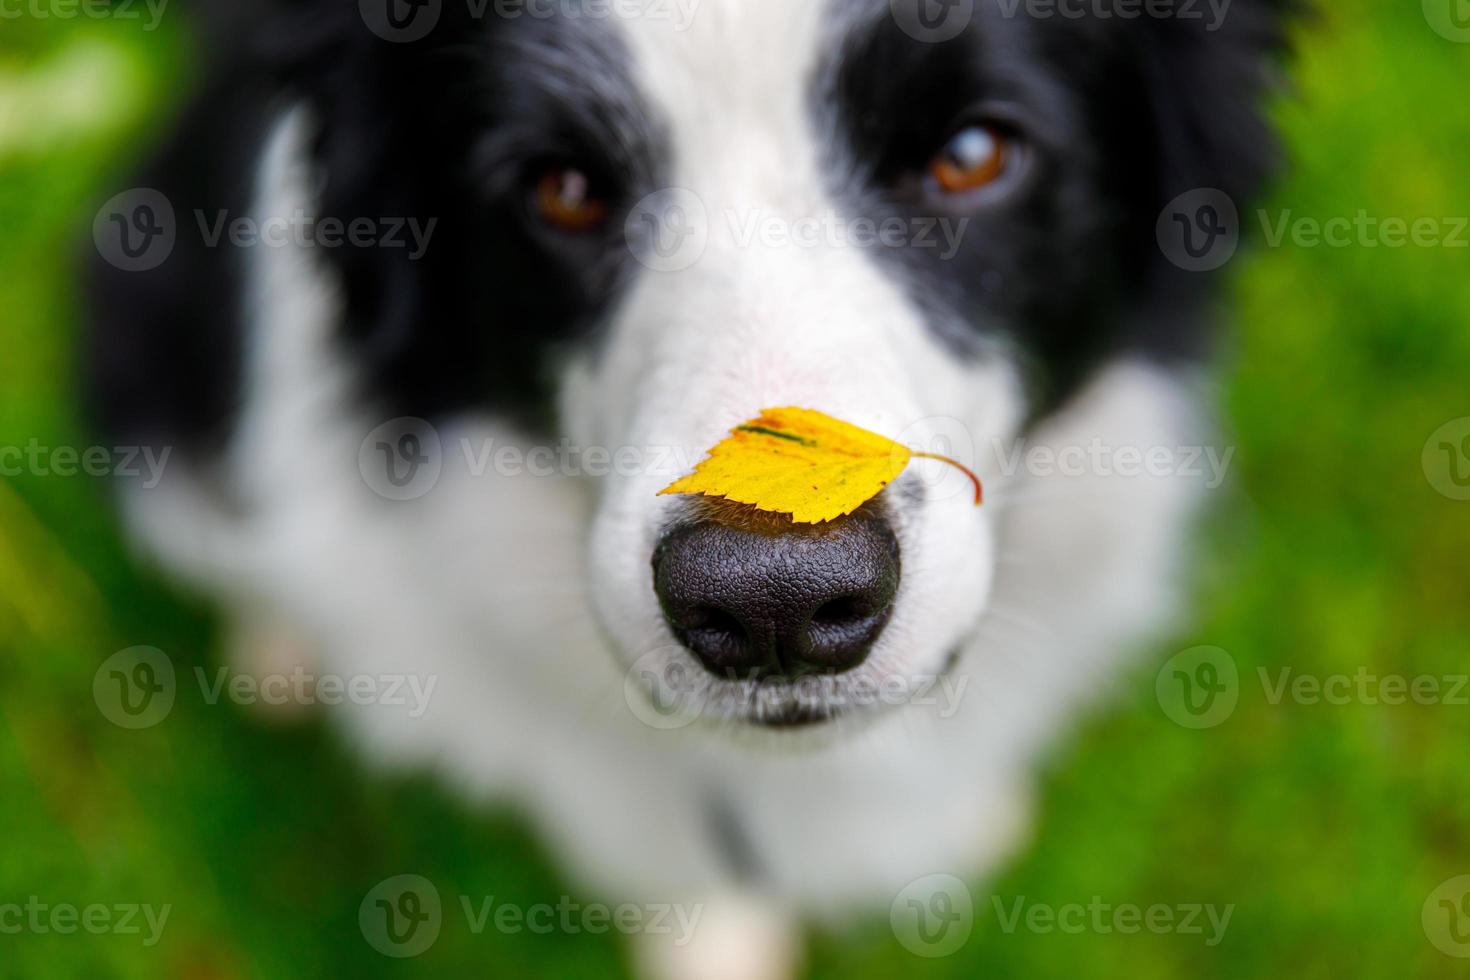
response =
{"points": [[974, 157], [566, 198]]}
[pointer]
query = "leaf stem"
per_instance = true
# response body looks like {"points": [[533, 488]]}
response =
{"points": [[979, 490]]}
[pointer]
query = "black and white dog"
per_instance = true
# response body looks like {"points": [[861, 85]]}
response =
{"points": [[417, 247]]}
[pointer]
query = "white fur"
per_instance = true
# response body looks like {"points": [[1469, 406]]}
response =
{"points": [[528, 598]]}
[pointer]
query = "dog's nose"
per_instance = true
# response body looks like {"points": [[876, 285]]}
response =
{"points": [[755, 601]]}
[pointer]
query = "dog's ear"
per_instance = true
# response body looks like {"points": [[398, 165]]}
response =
{"points": [[1201, 129], [388, 95], [1209, 80], [400, 111]]}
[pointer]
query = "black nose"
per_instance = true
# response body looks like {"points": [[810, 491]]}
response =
{"points": [[753, 600]]}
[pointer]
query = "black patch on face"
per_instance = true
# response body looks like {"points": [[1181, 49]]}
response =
{"points": [[452, 129], [457, 128], [1110, 120]]}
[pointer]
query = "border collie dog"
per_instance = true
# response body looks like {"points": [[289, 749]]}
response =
{"points": [[513, 271]]}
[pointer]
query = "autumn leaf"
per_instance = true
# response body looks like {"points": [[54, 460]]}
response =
{"points": [[802, 462]]}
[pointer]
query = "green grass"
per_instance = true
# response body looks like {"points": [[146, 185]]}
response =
{"points": [[1326, 827]]}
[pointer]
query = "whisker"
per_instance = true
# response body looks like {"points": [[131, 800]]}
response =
{"points": [[1014, 619]]}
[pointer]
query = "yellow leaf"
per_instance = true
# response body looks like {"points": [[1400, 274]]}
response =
{"points": [[801, 462]]}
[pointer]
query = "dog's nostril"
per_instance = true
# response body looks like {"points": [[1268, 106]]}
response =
{"points": [[715, 621], [840, 612], [756, 602], [719, 633]]}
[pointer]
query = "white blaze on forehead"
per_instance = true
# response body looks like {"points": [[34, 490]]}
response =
{"points": [[782, 294], [784, 299], [734, 88]]}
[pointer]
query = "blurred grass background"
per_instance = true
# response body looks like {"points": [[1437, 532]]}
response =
{"points": [[1326, 827]]}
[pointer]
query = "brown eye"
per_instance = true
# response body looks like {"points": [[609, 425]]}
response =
{"points": [[974, 157], [564, 198]]}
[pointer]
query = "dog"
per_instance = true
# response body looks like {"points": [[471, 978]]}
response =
{"points": [[452, 291]]}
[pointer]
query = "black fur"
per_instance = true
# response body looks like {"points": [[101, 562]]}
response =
{"points": [[1116, 119], [1119, 117], [447, 129], [163, 360], [454, 128]]}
